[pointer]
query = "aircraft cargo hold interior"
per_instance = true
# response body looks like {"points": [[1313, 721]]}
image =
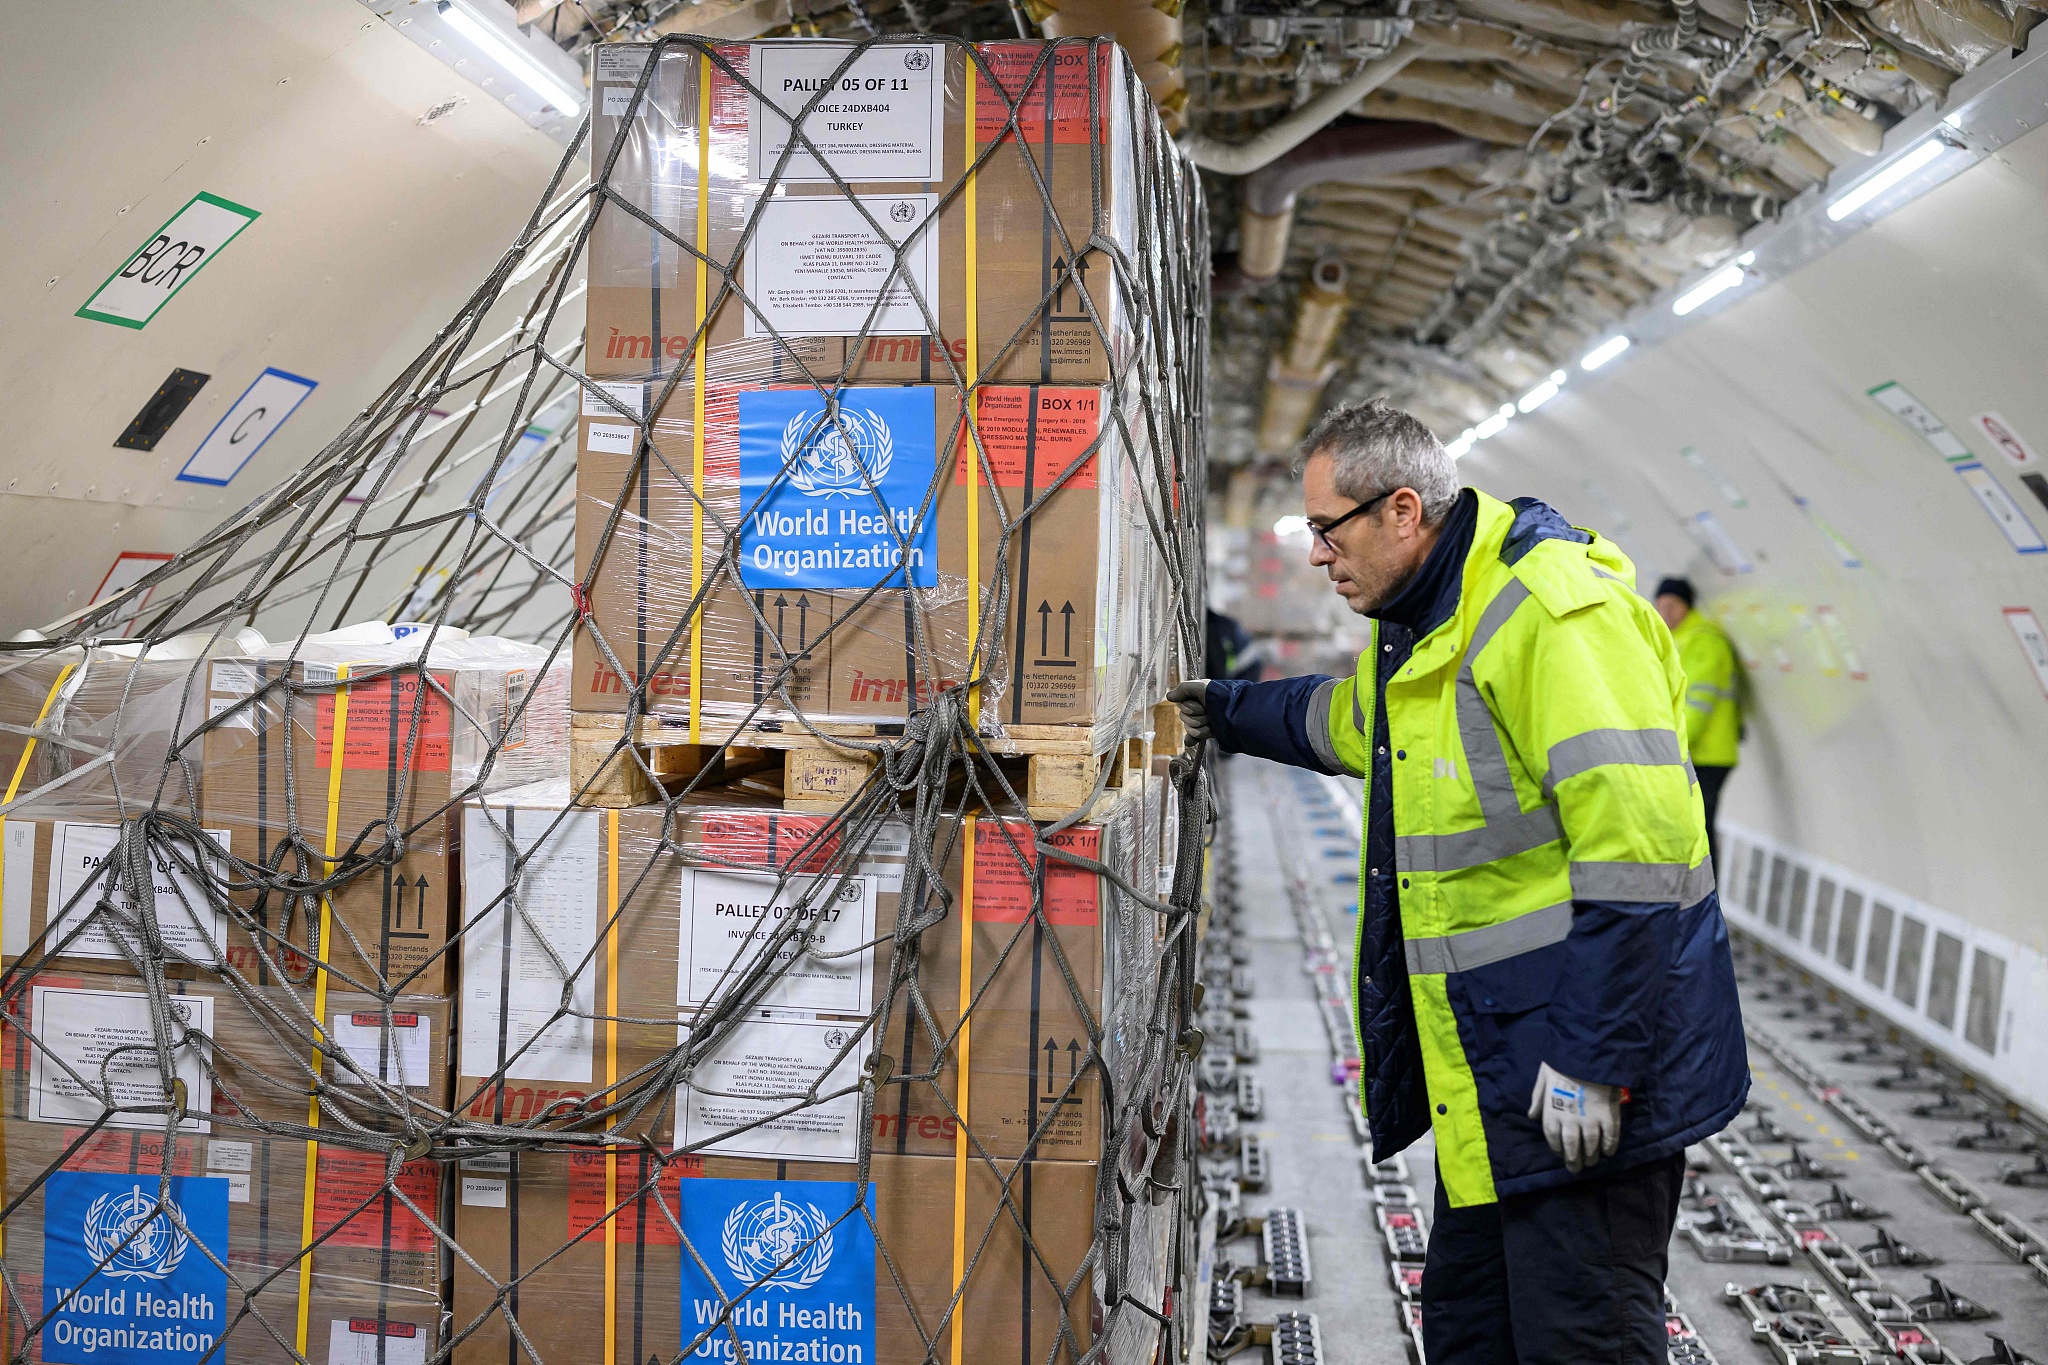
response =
{"points": [[1073, 682]]}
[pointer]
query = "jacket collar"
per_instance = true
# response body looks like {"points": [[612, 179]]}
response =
{"points": [[1431, 596]]}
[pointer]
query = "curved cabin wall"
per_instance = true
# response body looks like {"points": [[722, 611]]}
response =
{"points": [[1896, 765]]}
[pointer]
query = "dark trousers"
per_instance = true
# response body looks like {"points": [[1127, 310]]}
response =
{"points": [[1711, 779], [1572, 1275]]}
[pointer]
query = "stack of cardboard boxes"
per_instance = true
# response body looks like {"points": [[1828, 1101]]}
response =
{"points": [[903, 359]]}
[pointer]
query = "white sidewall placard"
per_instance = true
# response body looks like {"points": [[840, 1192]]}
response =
{"points": [[166, 263], [254, 419]]}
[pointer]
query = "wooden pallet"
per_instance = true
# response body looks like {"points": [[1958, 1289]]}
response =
{"points": [[1059, 764]]}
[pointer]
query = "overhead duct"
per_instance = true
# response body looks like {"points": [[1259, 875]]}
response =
{"points": [[1353, 152], [1149, 32], [1299, 373], [1298, 127]]}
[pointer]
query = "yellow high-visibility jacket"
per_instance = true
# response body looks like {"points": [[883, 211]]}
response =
{"points": [[1713, 706]]}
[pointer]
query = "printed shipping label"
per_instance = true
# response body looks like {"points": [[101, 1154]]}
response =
{"points": [[818, 265], [483, 1191], [835, 503], [379, 732], [729, 918], [357, 1341], [135, 1287], [1033, 436], [1002, 884], [621, 62], [184, 913], [2003, 510], [129, 1153], [78, 1029], [886, 857], [403, 1057], [512, 991], [880, 118], [809, 1247], [630, 395], [766, 1065], [609, 438], [1048, 86], [346, 1193]]}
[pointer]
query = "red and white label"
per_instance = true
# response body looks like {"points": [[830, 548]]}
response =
{"points": [[2009, 442], [129, 568], [1004, 855]]}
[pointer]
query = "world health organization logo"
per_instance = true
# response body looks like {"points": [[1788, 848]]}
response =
{"points": [[778, 1244], [849, 454], [152, 1254]]}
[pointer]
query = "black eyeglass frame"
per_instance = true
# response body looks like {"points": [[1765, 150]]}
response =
{"points": [[1322, 533]]}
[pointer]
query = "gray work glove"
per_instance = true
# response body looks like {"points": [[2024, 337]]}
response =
{"points": [[1192, 698], [1581, 1119]]}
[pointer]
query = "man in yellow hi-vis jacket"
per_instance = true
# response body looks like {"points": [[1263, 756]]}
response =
{"points": [[1542, 973], [1713, 702]]}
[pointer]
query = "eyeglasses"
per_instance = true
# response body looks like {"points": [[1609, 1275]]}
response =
{"points": [[1322, 533]]}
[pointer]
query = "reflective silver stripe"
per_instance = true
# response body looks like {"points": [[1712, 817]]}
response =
{"points": [[1647, 882], [1703, 707], [1318, 726], [1483, 755], [1494, 943], [1358, 716], [1691, 777], [1473, 847], [1597, 748], [1599, 572], [1725, 693]]}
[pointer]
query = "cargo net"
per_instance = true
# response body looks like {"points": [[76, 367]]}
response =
{"points": [[661, 847]]}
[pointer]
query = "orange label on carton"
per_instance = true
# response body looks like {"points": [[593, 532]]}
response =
{"points": [[1054, 87], [588, 1206], [1033, 435], [1002, 884], [346, 1194], [772, 841], [131, 1153], [381, 728]]}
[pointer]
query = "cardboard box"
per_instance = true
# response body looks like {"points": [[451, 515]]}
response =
{"points": [[271, 764], [795, 1227], [897, 133], [242, 1059], [688, 925], [97, 717], [375, 1270], [810, 526]]}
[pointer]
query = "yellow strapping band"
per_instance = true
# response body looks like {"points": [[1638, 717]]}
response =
{"points": [[972, 453], [611, 1078], [960, 1102], [700, 357], [335, 762], [14, 785]]}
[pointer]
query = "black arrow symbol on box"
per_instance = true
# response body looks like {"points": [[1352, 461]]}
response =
{"points": [[398, 903], [1073, 1057], [1044, 624], [781, 605], [1067, 631], [1052, 1054], [419, 888], [803, 626]]}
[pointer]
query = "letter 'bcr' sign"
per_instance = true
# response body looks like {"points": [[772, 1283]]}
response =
{"points": [[166, 263]]}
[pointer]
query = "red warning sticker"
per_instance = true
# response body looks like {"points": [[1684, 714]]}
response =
{"points": [[376, 737], [346, 1193], [771, 841], [634, 1193], [1040, 84], [1037, 432], [1002, 883]]}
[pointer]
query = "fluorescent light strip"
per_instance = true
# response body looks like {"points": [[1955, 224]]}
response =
{"points": [[1604, 352], [1491, 427], [501, 50], [1538, 396], [1920, 157], [1714, 285]]}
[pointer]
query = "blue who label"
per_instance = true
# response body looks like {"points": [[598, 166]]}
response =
{"points": [[807, 1247], [822, 525], [127, 1285]]}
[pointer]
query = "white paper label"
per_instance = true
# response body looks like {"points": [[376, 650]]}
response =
{"points": [[254, 419], [244, 719], [223, 1157], [886, 856], [17, 885], [817, 265], [186, 919], [883, 117], [483, 1192], [730, 917], [609, 438], [2010, 443], [617, 100], [631, 396], [236, 680], [1991, 493], [168, 261], [238, 1185], [353, 1341], [1921, 421], [78, 1029], [558, 893], [621, 61], [2026, 628], [764, 1066], [407, 1058]]}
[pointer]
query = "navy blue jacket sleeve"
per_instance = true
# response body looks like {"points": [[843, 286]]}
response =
{"points": [[1267, 719], [1603, 1016]]}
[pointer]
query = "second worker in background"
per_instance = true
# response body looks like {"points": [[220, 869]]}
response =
{"points": [[1542, 973], [1713, 694]]}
